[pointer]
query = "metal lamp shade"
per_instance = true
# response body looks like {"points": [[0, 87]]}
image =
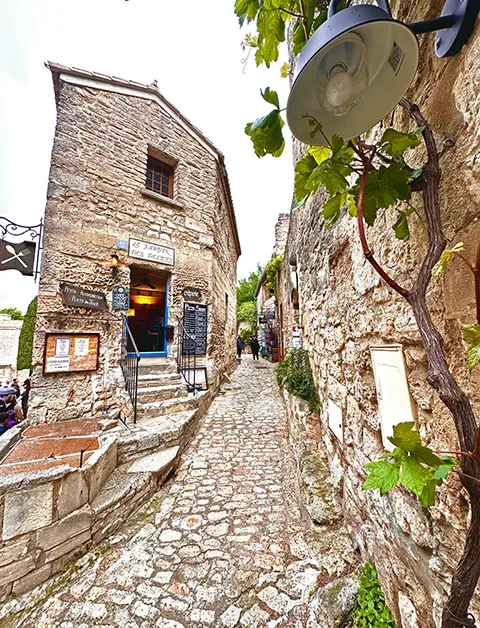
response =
{"points": [[389, 61]]}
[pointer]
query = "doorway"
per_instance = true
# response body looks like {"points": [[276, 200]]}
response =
{"points": [[148, 313]]}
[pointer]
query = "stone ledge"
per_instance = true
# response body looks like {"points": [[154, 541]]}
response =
{"points": [[161, 198]]}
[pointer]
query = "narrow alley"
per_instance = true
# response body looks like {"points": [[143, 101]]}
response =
{"points": [[227, 544]]}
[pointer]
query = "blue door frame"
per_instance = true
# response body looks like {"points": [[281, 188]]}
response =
{"points": [[159, 354]]}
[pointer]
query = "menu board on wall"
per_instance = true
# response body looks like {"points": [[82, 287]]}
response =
{"points": [[69, 353], [195, 325]]}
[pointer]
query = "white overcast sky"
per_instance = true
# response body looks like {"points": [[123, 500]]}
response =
{"points": [[191, 48]]}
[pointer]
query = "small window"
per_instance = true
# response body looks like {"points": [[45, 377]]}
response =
{"points": [[159, 177]]}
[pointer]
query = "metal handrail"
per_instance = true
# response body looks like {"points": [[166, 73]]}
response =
{"points": [[129, 364], [187, 358]]}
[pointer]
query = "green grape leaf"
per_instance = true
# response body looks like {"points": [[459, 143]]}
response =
{"points": [[270, 96], [443, 470], [396, 143], [405, 437], [413, 475], [382, 475], [266, 134], [471, 335], [400, 226], [285, 70], [428, 495], [303, 169], [352, 205], [445, 257], [246, 10], [341, 152], [330, 176], [331, 208], [426, 455], [271, 32], [321, 153]]}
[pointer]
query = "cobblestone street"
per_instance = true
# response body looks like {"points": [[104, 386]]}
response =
{"points": [[226, 545]]}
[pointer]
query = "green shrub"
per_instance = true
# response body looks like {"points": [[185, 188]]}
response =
{"points": [[372, 611], [246, 334], [247, 313], [14, 313], [271, 270], [294, 374], [25, 342]]}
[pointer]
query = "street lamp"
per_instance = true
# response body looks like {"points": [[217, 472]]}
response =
{"points": [[360, 62]]}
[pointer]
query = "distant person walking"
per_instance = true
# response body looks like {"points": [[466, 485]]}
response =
{"points": [[255, 347], [240, 347]]}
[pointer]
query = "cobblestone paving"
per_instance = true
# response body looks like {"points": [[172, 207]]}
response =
{"points": [[227, 545]]}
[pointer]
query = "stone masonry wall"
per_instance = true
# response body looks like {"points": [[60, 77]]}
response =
{"points": [[96, 195], [344, 308]]}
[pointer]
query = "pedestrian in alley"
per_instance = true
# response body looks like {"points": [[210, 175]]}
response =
{"points": [[255, 347], [240, 347]]}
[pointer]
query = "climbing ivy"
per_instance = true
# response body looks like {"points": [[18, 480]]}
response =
{"points": [[372, 610], [271, 270]]}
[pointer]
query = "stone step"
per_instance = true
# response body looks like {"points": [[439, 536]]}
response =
{"points": [[157, 409], [158, 379], [150, 434], [157, 368], [160, 393]]}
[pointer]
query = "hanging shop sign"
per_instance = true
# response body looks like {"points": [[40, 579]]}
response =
{"points": [[120, 298], [17, 256], [151, 252], [192, 294], [70, 353], [74, 296], [195, 326], [262, 320]]}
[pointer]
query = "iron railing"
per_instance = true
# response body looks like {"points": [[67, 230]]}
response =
{"points": [[187, 359], [129, 363]]}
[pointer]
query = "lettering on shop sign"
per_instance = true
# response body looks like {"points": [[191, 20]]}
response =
{"points": [[192, 294], [120, 298], [74, 296], [151, 252]]}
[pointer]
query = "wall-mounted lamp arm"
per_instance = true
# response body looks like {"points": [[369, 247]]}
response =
{"points": [[436, 24]]}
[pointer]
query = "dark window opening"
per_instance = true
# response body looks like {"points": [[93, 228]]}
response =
{"points": [[159, 177]]}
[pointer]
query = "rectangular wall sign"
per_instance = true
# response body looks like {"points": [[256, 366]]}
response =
{"points": [[195, 324], [74, 296], [120, 298], [68, 353], [151, 252]]}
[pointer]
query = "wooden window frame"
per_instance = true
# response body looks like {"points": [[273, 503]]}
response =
{"points": [[158, 166]]}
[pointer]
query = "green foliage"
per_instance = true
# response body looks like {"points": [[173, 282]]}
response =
{"points": [[414, 466], [246, 334], [395, 143], [247, 313], [266, 132], [25, 342], [294, 374], [372, 610], [445, 257], [14, 312], [247, 287], [334, 169], [271, 270], [471, 335]]}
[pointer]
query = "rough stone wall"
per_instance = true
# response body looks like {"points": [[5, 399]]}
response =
{"points": [[344, 308], [9, 335], [96, 195], [281, 233]]}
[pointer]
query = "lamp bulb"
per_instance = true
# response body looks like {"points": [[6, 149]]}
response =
{"points": [[339, 89]]}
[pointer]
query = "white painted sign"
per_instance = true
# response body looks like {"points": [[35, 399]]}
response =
{"points": [[394, 401], [335, 419], [56, 365], [151, 252]]}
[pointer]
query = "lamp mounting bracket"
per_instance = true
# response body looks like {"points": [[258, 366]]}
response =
{"points": [[456, 24]]}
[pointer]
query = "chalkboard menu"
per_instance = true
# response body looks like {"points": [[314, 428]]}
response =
{"points": [[120, 298], [195, 325]]}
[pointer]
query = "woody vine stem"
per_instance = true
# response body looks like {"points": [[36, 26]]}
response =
{"points": [[467, 573]]}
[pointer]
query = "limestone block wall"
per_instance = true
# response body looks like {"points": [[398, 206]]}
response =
{"points": [[9, 335], [96, 196], [344, 308]]}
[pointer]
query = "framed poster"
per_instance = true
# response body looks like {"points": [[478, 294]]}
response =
{"points": [[70, 353]]}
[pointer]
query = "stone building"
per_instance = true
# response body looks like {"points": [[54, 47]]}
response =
{"points": [[348, 317], [138, 211], [9, 336]]}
